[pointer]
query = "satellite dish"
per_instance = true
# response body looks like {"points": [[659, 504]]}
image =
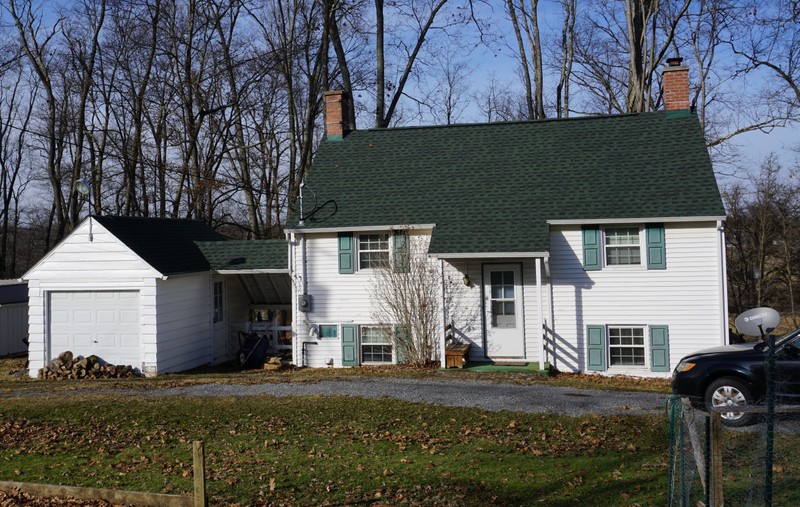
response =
{"points": [[757, 321], [82, 187]]}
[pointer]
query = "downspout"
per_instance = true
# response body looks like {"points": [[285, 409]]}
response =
{"points": [[443, 344], [304, 289], [550, 311], [723, 263]]}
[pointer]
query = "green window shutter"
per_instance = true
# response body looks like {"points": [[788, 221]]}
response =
{"points": [[592, 253], [596, 348], [659, 348], [349, 345], [401, 252], [347, 253], [656, 249], [401, 334]]}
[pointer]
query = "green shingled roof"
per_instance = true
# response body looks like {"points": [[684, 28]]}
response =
{"points": [[166, 244], [174, 246], [492, 187], [246, 254]]}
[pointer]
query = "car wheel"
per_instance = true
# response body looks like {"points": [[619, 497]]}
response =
{"points": [[730, 392]]}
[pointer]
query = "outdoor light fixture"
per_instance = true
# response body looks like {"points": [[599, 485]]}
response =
{"points": [[82, 187], [466, 280]]}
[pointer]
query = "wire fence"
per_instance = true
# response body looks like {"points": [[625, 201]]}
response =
{"points": [[714, 465]]}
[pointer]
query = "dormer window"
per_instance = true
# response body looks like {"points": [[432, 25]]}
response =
{"points": [[622, 246]]}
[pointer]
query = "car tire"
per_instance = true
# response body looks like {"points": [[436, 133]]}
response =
{"points": [[730, 392]]}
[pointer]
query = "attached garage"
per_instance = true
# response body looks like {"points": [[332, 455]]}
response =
{"points": [[101, 323], [160, 295]]}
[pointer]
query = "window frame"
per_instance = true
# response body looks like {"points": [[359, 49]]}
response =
{"points": [[389, 343], [645, 347], [218, 301], [642, 265], [382, 236]]}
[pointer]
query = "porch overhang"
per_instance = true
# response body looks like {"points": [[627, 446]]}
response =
{"points": [[489, 255]]}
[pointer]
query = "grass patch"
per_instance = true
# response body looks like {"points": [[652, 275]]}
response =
{"points": [[226, 374], [334, 451]]}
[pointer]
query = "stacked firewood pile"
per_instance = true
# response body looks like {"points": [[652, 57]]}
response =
{"points": [[67, 366]]}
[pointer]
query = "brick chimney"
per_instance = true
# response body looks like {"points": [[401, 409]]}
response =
{"points": [[676, 87], [337, 122]]}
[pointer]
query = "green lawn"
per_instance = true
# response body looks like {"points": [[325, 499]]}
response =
{"points": [[334, 451]]}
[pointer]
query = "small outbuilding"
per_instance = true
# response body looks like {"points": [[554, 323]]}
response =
{"points": [[13, 318]]}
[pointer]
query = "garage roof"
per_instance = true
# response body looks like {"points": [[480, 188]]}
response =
{"points": [[167, 244]]}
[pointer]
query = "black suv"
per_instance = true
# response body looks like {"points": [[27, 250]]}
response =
{"points": [[735, 375]]}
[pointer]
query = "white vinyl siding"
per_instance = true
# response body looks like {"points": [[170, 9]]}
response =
{"points": [[184, 322], [686, 296], [338, 298]]}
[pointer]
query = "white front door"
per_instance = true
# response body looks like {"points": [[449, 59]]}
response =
{"points": [[502, 294]]}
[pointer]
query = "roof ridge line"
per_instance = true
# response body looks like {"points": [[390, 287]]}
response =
{"points": [[508, 122]]}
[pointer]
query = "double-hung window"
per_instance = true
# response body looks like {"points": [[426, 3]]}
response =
{"points": [[373, 251], [376, 344], [626, 346], [622, 246]]}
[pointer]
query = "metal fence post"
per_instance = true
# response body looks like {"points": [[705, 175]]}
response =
{"points": [[715, 485]]}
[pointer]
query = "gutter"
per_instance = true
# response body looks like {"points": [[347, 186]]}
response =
{"points": [[362, 228], [639, 220]]}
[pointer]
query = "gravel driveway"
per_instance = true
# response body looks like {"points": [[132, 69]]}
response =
{"points": [[484, 395]]}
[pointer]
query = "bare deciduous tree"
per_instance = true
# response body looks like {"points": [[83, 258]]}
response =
{"points": [[406, 292]]}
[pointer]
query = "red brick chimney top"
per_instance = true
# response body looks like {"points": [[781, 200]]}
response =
{"points": [[337, 123], [676, 85]]}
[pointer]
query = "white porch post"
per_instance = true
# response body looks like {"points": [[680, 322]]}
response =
{"points": [[540, 312], [443, 345]]}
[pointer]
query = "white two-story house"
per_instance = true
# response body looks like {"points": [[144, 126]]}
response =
{"points": [[592, 243]]}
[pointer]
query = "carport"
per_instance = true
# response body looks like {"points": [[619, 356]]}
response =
{"points": [[252, 292]]}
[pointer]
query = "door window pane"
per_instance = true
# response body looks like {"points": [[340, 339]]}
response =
{"points": [[503, 299]]}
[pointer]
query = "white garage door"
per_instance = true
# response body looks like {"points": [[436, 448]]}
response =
{"points": [[103, 323]]}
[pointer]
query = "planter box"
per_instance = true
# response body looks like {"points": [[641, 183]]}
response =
{"points": [[456, 355]]}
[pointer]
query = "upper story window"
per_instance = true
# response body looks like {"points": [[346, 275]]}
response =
{"points": [[622, 246], [373, 250]]}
